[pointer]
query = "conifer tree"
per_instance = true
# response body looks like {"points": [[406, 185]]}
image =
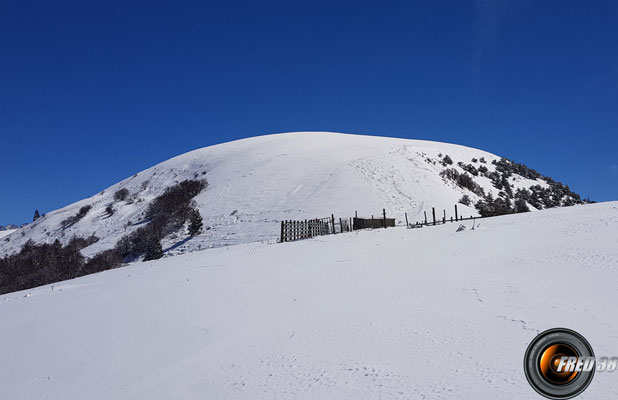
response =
{"points": [[196, 223], [521, 206], [154, 251], [465, 200], [36, 215]]}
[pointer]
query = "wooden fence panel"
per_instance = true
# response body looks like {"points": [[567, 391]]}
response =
{"points": [[296, 230]]}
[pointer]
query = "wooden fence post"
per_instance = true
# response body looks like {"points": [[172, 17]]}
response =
{"points": [[425, 217], [282, 237], [444, 217], [332, 218], [433, 213], [351, 225], [384, 214], [456, 212], [407, 224]]}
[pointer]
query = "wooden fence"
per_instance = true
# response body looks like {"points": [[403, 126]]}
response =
{"points": [[296, 230], [373, 223], [441, 219]]}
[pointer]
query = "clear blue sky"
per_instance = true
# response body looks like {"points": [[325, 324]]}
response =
{"points": [[93, 93]]}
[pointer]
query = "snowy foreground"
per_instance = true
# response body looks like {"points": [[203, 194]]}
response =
{"points": [[386, 314]]}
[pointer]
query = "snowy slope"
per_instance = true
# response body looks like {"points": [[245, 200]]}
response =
{"points": [[385, 314], [6, 232], [257, 182]]}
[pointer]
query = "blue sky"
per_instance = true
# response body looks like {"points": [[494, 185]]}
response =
{"points": [[93, 93]]}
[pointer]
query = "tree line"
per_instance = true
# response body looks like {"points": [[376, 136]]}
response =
{"points": [[508, 201], [40, 264]]}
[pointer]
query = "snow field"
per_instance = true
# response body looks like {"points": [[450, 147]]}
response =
{"points": [[386, 314]]}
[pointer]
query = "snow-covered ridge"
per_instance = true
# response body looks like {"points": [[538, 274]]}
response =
{"points": [[256, 182], [6, 232]]}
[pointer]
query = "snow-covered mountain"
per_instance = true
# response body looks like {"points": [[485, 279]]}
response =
{"points": [[255, 183], [385, 314], [6, 232]]}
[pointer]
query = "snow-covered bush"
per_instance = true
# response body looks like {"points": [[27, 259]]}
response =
{"points": [[121, 194], [462, 180], [72, 220], [465, 200], [468, 168]]}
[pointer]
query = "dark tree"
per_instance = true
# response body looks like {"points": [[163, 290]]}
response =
{"points": [[109, 210], [468, 168], [450, 173], [40, 264], [507, 186], [154, 251], [465, 200], [462, 180], [521, 206], [486, 207], [36, 215], [502, 205], [72, 220], [467, 182], [195, 223], [121, 194]]}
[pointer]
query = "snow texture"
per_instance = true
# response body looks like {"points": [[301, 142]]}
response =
{"points": [[394, 313], [6, 232]]}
